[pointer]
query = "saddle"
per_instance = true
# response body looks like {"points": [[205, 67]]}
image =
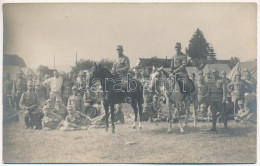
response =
{"points": [[186, 85]]}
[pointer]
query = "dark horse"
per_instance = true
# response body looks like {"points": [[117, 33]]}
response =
{"points": [[115, 93]]}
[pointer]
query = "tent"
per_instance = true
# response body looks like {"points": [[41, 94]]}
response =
{"points": [[208, 68], [251, 65], [191, 70], [13, 71]]}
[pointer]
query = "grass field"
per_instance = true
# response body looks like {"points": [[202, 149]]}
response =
{"points": [[127, 145]]}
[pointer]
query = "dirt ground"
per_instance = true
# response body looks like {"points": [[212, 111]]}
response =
{"points": [[127, 145]]}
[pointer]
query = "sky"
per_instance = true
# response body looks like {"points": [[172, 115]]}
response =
{"points": [[38, 32]]}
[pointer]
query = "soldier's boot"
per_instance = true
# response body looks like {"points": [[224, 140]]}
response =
{"points": [[214, 121], [27, 122]]}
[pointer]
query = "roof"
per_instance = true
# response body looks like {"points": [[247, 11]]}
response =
{"points": [[191, 70], [251, 65], [13, 60], [13, 70], [157, 62], [219, 67]]}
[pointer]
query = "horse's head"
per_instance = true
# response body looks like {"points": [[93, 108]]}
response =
{"points": [[155, 77], [97, 72]]}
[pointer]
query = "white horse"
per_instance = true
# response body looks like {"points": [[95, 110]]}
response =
{"points": [[175, 98]]}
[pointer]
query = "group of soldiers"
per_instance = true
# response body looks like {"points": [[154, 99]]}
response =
{"points": [[40, 95]]}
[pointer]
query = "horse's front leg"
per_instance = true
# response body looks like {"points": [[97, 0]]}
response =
{"points": [[140, 109], [134, 106], [170, 106], [179, 119], [106, 107], [112, 107]]}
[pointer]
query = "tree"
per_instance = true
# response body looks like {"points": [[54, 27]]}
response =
{"points": [[87, 64], [234, 61], [211, 53], [198, 48], [45, 70]]}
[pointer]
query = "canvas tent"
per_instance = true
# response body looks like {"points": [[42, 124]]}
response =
{"points": [[12, 64], [191, 70], [251, 65], [208, 68]]}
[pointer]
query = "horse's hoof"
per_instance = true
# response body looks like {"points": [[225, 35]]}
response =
{"points": [[134, 127], [113, 131], [140, 128]]}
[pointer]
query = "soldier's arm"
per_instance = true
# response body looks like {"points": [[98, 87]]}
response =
{"points": [[183, 64], [127, 66], [81, 103], [21, 102], [172, 64], [114, 68]]}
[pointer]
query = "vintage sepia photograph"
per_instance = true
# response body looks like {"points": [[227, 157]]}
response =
{"points": [[154, 83]]}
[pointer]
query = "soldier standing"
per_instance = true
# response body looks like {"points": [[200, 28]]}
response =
{"points": [[202, 91], [7, 92], [217, 96], [55, 84], [19, 87], [67, 91], [250, 80], [29, 103], [237, 89]]}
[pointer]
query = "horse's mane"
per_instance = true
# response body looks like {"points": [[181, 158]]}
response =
{"points": [[165, 73], [105, 71]]}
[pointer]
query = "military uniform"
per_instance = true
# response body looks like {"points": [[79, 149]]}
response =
{"points": [[67, 92], [217, 96], [237, 89], [122, 64], [19, 87], [32, 115], [76, 102], [7, 93], [178, 67], [41, 92]]}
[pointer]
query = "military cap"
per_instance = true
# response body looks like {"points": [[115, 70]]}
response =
{"points": [[178, 45], [120, 47], [223, 72], [74, 87]]}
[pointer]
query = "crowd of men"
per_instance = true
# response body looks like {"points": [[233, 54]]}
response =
{"points": [[60, 101]]}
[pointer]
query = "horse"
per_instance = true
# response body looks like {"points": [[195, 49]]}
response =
{"points": [[113, 95], [174, 96]]}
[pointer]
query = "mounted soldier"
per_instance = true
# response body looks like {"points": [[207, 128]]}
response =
{"points": [[121, 67], [178, 68]]}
